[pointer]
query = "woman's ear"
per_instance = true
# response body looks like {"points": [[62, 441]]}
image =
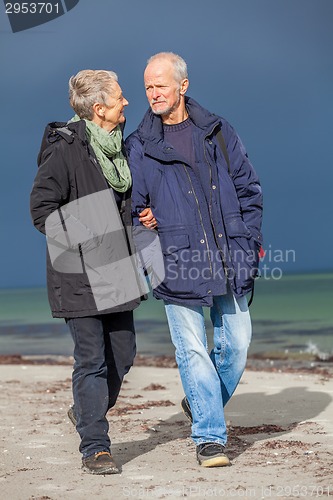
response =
{"points": [[99, 110]]}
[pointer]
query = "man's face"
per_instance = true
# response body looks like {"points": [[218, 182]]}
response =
{"points": [[162, 90]]}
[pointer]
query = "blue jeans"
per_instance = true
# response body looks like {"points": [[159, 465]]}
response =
{"points": [[104, 350], [209, 380]]}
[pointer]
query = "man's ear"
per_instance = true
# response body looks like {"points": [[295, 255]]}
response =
{"points": [[184, 86]]}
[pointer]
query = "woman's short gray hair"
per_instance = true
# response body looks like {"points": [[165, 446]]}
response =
{"points": [[180, 66], [88, 87]]}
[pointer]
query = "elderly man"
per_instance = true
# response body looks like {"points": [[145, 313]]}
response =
{"points": [[190, 167]]}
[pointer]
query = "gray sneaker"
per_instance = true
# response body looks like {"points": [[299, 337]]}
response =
{"points": [[100, 463], [212, 455]]}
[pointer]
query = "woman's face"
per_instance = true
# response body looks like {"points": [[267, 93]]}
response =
{"points": [[112, 114]]}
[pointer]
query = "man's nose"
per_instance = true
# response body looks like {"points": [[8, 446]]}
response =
{"points": [[155, 93]]}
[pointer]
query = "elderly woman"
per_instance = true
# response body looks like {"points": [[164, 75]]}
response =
{"points": [[83, 182]]}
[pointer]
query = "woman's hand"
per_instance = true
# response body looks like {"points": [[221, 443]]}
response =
{"points": [[146, 217]]}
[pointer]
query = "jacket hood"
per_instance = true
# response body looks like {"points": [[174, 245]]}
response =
{"points": [[55, 131], [151, 126]]}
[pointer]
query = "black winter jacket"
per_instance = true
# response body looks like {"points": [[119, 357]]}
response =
{"points": [[68, 171]]}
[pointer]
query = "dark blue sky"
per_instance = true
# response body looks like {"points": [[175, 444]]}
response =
{"points": [[265, 65]]}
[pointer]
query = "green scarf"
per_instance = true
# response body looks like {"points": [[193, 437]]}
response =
{"points": [[108, 150]]}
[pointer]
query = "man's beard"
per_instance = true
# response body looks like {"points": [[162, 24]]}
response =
{"points": [[167, 111]]}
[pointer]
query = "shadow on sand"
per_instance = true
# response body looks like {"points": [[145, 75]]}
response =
{"points": [[257, 416]]}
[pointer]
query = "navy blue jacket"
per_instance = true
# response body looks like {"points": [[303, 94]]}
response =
{"points": [[203, 240]]}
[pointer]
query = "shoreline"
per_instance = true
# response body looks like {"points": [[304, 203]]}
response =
{"points": [[263, 362]]}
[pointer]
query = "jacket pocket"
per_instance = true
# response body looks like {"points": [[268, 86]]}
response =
{"points": [[175, 244], [236, 227], [244, 252], [173, 238], [172, 244]]}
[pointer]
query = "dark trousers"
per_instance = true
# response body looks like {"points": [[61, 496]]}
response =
{"points": [[104, 350]]}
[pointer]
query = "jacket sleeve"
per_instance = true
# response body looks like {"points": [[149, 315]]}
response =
{"points": [[246, 182], [50, 189], [140, 196]]}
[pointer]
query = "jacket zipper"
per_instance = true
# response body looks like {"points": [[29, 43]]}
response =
{"points": [[209, 204], [201, 221]]}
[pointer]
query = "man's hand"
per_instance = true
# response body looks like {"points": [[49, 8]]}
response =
{"points": [[147, 218]]}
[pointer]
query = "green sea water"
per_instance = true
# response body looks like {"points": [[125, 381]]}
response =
{"points": [[291, 314]]}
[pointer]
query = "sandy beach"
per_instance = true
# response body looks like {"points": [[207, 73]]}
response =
{"points": [[280, 438]]}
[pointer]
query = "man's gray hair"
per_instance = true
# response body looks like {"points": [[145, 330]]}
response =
{"points": [[180, 66], [88, 87]]}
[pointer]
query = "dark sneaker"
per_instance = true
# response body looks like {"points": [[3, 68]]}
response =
{"points": [[100, 463], [186, 409], [71, 415], [212, 455]]}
